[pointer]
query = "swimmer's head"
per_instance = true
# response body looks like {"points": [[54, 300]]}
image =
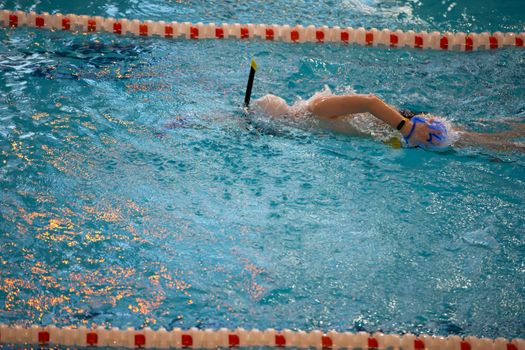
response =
{"points": [[272, 105], [437, 141]]}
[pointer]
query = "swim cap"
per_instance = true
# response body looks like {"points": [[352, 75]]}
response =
{"points": [[272, 105], [436, 141]]}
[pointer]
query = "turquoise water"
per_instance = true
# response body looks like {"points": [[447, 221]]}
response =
{"points": [[133, 193]]}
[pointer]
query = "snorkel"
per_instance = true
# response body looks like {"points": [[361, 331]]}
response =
{"points": [[248, 94]]}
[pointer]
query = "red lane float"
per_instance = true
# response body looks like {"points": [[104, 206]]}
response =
{"points": [[270, 34]]}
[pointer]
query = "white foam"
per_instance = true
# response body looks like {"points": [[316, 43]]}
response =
{"points": [[25, 136], [482, 238]]}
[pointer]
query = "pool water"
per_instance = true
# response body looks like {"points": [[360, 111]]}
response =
{"points": [[135, 192]]}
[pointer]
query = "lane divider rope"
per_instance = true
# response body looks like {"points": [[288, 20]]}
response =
{"points": [[224, 338], [297, 34]]}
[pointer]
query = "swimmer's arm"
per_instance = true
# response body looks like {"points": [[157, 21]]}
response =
{"points": [[332, 107]]}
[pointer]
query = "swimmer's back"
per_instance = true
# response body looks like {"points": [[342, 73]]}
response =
{"points": [[272, 105], [276, 107]]}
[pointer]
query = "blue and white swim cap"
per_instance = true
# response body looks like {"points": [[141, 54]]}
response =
{"points": [[436, 141]]}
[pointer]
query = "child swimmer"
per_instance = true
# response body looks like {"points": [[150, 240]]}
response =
{"points": [[335, 113]]}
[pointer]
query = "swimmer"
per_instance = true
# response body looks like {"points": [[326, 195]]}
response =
{"points": [[335, 113]]}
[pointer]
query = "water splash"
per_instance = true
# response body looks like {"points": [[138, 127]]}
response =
{"points": [[483, 238]]}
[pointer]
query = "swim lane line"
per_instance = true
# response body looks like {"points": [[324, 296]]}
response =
{"points": [[194, 338], [446, 41]]}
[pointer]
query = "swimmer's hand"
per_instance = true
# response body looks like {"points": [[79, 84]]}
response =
{"points": [[421, 135]]}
